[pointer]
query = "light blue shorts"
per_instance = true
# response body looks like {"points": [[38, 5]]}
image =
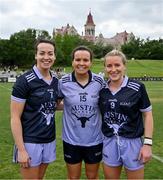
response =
{"points": [[39, 153], [120, 151]]}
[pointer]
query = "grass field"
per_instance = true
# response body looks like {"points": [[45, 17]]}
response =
{"points": [[57, 170], [134, 67]]}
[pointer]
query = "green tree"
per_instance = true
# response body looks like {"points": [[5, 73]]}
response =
{"points": [[153, 49], [42, 34], [65, 44], [143, 49], [21, 46], [131, 49], [97, 50], [5, 55]]}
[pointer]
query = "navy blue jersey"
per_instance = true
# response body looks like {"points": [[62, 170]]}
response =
{"points": [[40, 102], [81, 115], [122, 110]]}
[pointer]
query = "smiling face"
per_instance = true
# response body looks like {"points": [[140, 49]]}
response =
{"points": [[45, 56], [115, 68], [81, 62]]}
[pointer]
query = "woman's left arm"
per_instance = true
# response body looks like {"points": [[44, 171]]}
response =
{"points": [[146, 151]]}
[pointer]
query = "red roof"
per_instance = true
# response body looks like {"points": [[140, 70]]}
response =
{"points": [[90, 19]]}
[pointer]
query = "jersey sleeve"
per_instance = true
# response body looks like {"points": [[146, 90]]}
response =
{"points": [[100, 80], [145, 104], [20, 90]]}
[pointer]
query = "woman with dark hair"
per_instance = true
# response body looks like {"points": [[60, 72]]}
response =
{"points": [[81, 134], [33, 104]]}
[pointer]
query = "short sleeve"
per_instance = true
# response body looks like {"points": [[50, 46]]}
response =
{"points": [[145, 104], [20, 90]]}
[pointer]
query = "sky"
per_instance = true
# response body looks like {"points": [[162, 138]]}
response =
{"points": [[144, 18]]}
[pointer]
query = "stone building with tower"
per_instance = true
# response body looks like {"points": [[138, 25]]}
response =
{"points": [[89, 28], [116, 41], [70, 30], [89, 34]]}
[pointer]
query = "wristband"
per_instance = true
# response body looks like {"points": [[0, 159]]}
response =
{"points": [[148, 141]]}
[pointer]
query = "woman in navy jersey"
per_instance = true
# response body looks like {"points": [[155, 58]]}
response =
{"points": [[81, 134], [33, 102], [126, 117]]}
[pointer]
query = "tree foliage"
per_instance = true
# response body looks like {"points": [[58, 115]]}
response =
{"points": [[144, 49], [65, 44], [19, 49]]}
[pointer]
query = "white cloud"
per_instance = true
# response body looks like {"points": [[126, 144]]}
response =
{"points": [[142, 17]]}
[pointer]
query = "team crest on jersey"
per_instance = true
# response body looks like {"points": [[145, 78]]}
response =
{"points": [[47, 110], [115, 120], [83, 113]]}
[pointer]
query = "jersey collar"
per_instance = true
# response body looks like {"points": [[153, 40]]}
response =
{"points": [[37, 72], [40, 76], [125, 80], [75, 80], [124, 83]]}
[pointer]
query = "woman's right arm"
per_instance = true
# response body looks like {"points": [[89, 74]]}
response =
{"points": [[16, 127]]}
